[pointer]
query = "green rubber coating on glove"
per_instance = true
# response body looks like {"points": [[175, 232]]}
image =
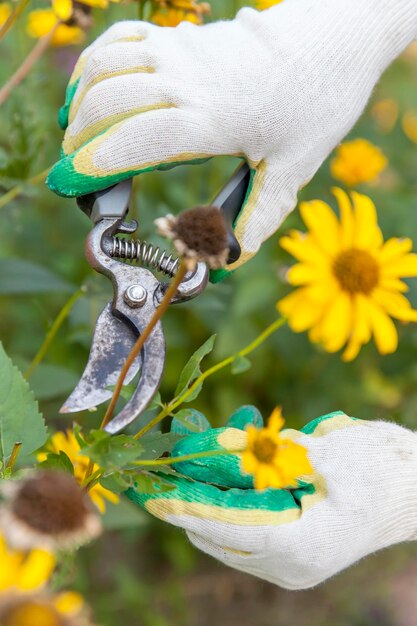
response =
{"points": [[247, 415], [220, 470], [65, 181], [64, 110], [239, 499], [309, 428]]}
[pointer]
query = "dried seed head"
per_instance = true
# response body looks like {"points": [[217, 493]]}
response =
{"points": [[48, 509], [199, 234]]}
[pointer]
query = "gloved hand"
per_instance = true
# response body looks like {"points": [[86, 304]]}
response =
{"points": [[362, 498], [279, 88]]}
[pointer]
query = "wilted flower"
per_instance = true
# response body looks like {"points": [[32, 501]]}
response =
{"points": [[24, 571], [409, 124], [348, 277], [273, 460], [357, 162], [199, 234], [67, 443], [49, 510]]}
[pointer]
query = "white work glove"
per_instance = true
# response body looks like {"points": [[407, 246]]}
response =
{"points": [[280, 88], [362, 498]]}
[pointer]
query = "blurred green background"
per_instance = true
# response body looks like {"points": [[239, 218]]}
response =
{"points": [[142, 573]]}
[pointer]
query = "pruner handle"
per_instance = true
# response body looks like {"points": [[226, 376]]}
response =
{"points": [[112, 202]]}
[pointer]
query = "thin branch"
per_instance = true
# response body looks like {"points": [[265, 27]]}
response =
{"points": [[13, 457], [16, 191], [170, 460], [34, 55], [21, 6], [50, 336]]}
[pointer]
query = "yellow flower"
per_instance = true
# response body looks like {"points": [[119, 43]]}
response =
{"points": [[24, 571], [5, 12], [273, 460], [409, 124], [261, 5], [68, 443], [385, 114], [357, 161], [42, 21], [65, 609], [348, 277], [173, 12]]}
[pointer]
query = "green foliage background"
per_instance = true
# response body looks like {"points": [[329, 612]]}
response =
{"points": [[142, 572]]}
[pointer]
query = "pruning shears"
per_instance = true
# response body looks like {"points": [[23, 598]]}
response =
{"points": [[137, 293]]}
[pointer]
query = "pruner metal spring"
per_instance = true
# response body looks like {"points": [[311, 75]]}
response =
{"points": [[144, 253]]}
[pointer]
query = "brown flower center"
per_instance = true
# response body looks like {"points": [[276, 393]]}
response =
{"points": [[203, 231], [264, 449], [356, 270], [51, 503]]}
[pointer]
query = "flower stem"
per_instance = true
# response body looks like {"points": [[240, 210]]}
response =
{"points": [[16, 191], [169, 294], [171, 406], [21, 6], [50, 336], [13, 457], [34, 55], [170, 460]]}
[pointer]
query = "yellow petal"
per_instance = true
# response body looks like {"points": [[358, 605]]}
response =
{"points": [[69, 602], [393, 249], [302, 312], [322, 223], [347, 221], [304, 248], [395, 304], [367, 232], [403, 266], [36, 570], [336, 324], [383, 328], [62, 9], [361, 327], [276, 421]]}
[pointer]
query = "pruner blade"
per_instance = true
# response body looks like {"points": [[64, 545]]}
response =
{"points": [[137, 293]]}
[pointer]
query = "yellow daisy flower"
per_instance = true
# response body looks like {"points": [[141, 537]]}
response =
{"points": [[173, 12], [348, 277], [42, 21], [261, 5], [5, 12], [68, 443], [24, 571], [65, 609], [273, 460], [357, 162], [409, 124]]}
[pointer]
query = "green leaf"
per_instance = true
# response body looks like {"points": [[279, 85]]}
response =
{"points": [[240, 364], [111, 452], [20, 419], [155, 444], [151, 483], [21, 277], [192, 370], [117, 482], [59, 461]]}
